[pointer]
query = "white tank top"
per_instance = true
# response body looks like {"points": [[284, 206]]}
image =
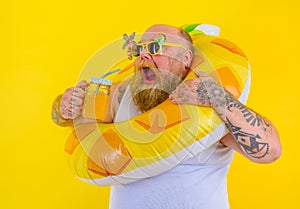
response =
{"points": [[197, 183]]}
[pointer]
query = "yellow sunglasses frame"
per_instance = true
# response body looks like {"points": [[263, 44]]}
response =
{"points": [[145, 45]]}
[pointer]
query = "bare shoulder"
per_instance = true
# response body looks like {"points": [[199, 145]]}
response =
{"points": [[118, 90], [117, 93]]}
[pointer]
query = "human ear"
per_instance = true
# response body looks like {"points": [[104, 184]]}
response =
{"points": [[188, 58]]}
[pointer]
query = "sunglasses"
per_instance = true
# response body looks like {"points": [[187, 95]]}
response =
{"points": [[152, 47]]}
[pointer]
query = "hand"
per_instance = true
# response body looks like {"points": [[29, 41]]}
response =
{"points": [[72, 101], [202, 91]]}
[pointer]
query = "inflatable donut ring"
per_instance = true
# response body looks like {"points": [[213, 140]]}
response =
{"points": [[157, 140]]}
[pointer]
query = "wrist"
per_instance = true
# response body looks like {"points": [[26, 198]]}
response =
{"points": [[221, 104]]}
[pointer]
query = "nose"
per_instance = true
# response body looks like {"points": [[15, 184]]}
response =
{"points": [[145, 54]]}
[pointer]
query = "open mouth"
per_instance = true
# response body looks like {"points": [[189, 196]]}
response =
{"points": [[148, 75]]}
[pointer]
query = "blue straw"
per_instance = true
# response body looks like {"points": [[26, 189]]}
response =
{"points": [[106, 74], [111, 72]]}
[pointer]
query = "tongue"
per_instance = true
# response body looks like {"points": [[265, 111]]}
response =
{"points": [[149, 74]]}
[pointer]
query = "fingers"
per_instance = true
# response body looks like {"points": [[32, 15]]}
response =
{"points": [[184, 99], [77, 96], [82, 84], [72, 101], [75, 111], [182, 95], [76, 101], [175, 100], [179, 100], [179, 92], [200, 74], [65, 106], [71, 107]]}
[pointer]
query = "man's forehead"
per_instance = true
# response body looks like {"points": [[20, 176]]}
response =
{"points": [[154, 31], [150, 36]]}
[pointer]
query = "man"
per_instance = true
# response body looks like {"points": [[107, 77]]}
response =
{"points": [[199, 182]]}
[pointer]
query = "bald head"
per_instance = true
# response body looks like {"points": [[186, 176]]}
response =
{"points": [[171, 30], [174, 32]]}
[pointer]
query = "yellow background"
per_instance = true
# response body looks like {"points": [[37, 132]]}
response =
{"points": [[44, 45]]}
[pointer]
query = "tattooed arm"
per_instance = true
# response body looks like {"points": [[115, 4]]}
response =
{"points": [[250, 133]]}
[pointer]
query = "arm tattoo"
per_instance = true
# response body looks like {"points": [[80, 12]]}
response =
{"points": [[253, 119], [210, 93], [249, 142], [202, 93]]}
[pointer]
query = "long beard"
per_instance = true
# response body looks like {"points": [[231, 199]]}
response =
{"points": [[147, 96]]}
